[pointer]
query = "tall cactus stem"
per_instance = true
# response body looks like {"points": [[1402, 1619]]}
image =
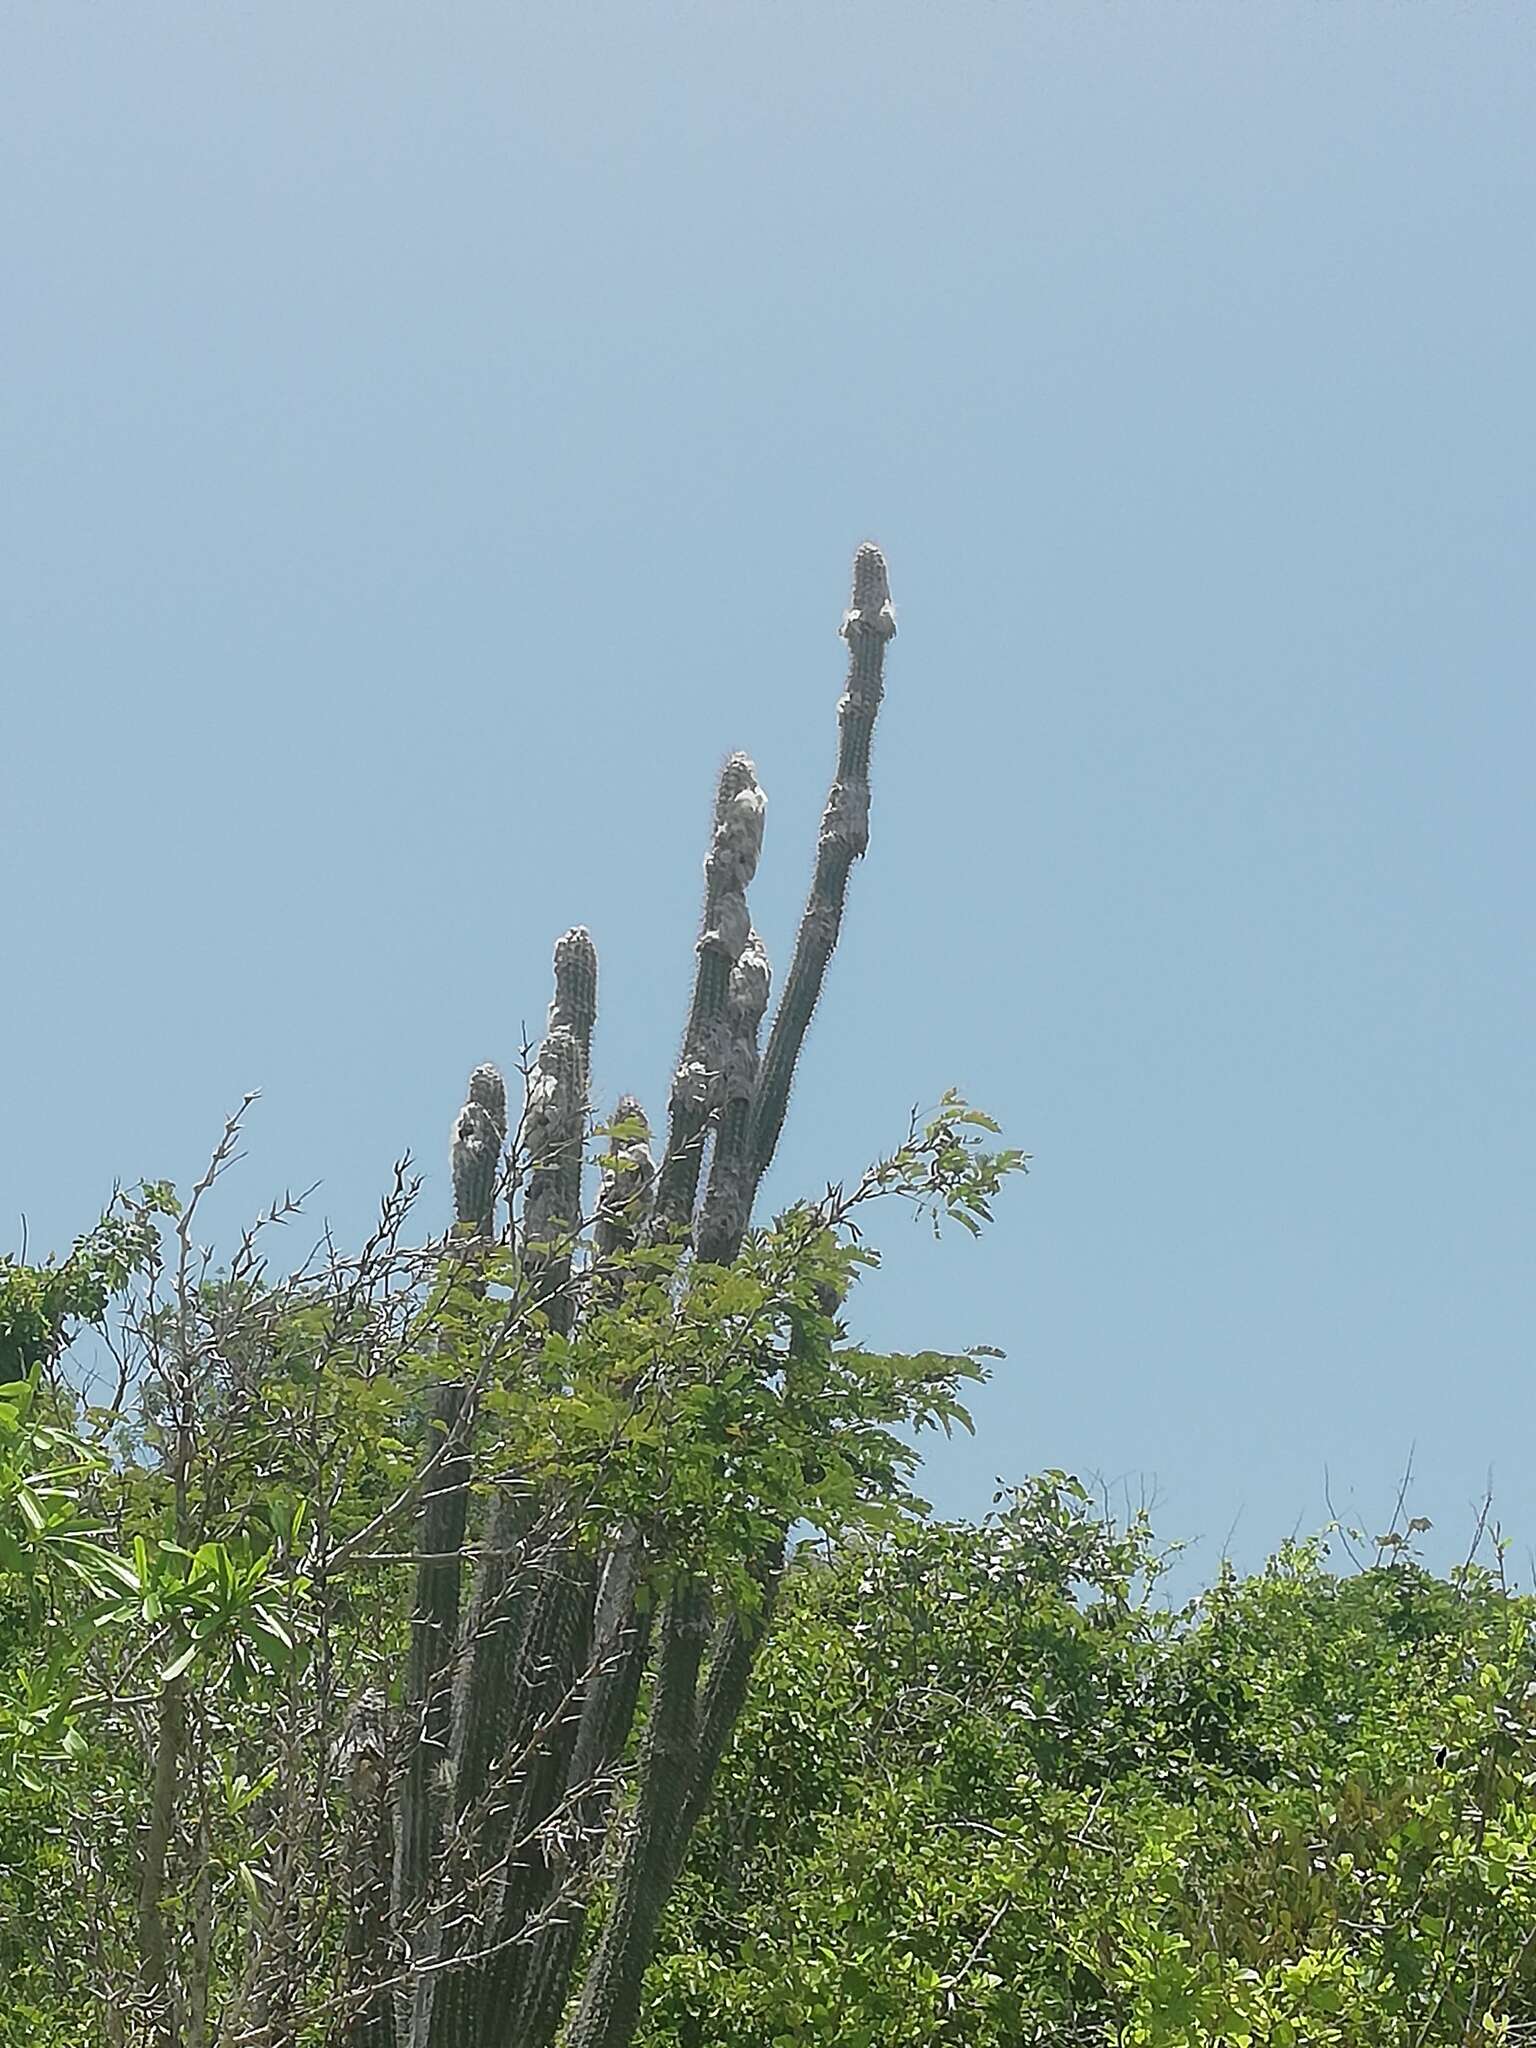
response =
{"points": [[525, 1629], [610, 2000], [867, 626], [478, 1136], [727, 929], [555, 1125], [727, 1203], [575, 1003]]}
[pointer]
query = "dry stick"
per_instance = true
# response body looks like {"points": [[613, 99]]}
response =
{"points": [[170, 1733]]}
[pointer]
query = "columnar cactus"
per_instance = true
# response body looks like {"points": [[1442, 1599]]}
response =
{"points": [[512, 1737], [555, 1120], [479, 1134]]}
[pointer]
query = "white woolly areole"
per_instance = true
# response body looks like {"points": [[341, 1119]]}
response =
{"points": [[476, 1127], [693, 1083], [846, 818], [488, 1091], [738, 772], [750, 979], [744, 1008], [732, 926], [554, 1092], [738, 840], [864, 618]]}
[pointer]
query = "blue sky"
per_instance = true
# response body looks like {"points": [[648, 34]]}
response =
{"points": [[435, 435]]}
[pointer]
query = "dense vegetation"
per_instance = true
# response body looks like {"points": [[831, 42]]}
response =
{"points": [[987, 1792], [988, 1788], [207, 1628], [526, 1635]]}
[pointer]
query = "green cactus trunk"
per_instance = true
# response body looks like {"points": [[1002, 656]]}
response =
{"points": [[479, 1135]]}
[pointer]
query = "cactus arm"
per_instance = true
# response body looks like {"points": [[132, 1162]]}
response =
{"points": [[525, 1784], [867, 626], [697, 1704], [723, 1690], [693, 1718], [727, 1205], [620, 1636], [575, 1002], [529, 1624], [555, 1128], [621, 1646], [478, 1136], [610, 1994], [728, 868], [371, 1853]]}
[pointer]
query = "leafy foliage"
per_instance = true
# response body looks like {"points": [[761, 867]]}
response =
{"points": [[989, 1791], [218, 1556]]}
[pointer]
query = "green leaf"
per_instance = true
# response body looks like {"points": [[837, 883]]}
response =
{"points": [[179, 1665]]}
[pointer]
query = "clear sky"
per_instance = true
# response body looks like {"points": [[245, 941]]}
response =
{"points": [[433, 435]]}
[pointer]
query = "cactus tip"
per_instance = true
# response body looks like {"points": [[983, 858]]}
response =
{"points": [[489, 1091], [871, 585], [575, 1001], [869, 611], [738, 772]]}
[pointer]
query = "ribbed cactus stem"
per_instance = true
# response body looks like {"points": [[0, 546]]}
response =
{"points": [[552, 1126], [555, 1123], [489, 1091], [478, 1136], [628, 1181], [575, 1003], [728, 868], [369, 1861], [867, 626], [723, 1220]]}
